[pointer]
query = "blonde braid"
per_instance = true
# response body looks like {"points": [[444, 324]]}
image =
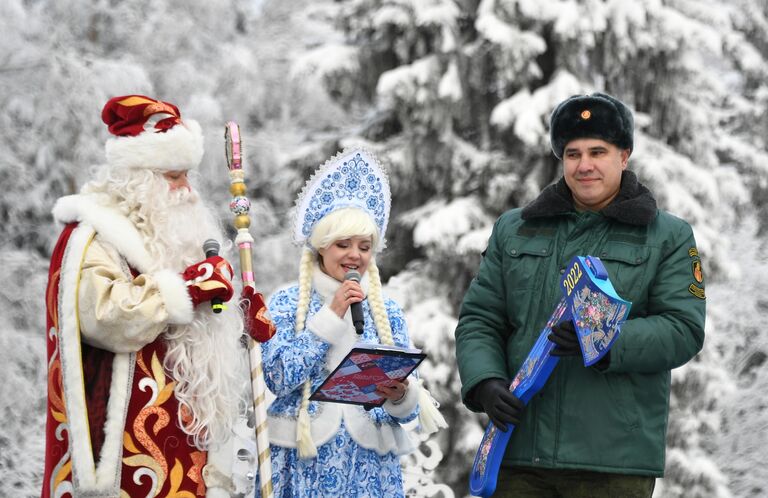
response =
{"points": [[304, 444], [306, 447], [305, 287], [376, 302]]}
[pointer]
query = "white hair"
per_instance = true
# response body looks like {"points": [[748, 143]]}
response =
{"points": [[204, 357], [341, 224], [173, 223]]}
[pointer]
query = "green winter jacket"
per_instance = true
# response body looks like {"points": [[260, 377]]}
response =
{"points": [[611, 420]]}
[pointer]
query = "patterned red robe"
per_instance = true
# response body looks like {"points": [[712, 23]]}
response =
{"points": [[112, 427]]}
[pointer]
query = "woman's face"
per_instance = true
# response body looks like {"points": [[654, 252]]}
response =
{"points": [[344, 255]]}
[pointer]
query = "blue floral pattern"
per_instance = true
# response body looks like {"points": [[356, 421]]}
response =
{"points": [[351, 179], [342, 467]]}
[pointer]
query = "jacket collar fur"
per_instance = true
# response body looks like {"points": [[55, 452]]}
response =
{"points": [[634, 205]]}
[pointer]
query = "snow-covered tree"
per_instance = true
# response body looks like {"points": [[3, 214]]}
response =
{"points": [[459, 97], [454, 96]]}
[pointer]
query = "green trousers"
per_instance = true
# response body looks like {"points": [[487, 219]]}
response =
{"points": [[528, 482]]}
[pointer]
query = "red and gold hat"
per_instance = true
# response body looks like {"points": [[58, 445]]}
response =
{"points": [[149, 133]]}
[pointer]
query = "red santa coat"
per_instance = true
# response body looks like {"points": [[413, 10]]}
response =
{"points": [[112, 426]]}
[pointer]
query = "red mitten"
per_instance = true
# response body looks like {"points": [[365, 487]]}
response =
{"points": [[209, 279], [258, 324]]}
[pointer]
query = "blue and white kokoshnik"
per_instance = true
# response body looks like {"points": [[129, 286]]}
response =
{"points": [[352, 178]]}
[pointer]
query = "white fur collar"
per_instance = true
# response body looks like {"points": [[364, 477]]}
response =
{"points": [[326, 285], [113, 226]]}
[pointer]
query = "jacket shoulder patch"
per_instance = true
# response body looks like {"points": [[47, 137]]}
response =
{"points": [[697, 287], [696, 291]]}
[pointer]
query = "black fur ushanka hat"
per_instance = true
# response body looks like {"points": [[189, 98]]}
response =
{"points": [[591, 116]]}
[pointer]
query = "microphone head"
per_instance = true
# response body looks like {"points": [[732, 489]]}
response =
{"points": [[211, 245], [352, 275]]}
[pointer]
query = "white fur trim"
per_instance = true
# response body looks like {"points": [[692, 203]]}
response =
{"points": [[408, 404], [326, 422], [337, 332], [178, 304], [327, 325], [178, 148], [83, 468], [326, 285], [104, 478], [111, 225], [108, 469], [382, 439]]}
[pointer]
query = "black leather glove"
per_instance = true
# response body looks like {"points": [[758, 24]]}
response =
{"points": [[498, 402], [604, 362], [566, 341]]}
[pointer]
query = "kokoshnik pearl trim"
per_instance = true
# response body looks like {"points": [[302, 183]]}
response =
{"points": [[351, 178]]}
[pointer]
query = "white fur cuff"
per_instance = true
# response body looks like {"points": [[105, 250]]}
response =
{"points": [[406, 406], [327, 325], [173, 290], [335, 331]]}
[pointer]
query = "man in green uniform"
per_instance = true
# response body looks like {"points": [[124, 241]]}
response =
{"points": [[597, 431]]}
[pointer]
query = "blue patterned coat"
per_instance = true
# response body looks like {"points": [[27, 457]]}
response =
{"points": [[358, 450]]}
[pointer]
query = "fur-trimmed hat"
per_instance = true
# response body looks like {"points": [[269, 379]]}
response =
{"points": [[591, 116], [149, 133]]}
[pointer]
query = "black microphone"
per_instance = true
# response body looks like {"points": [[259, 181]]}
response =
{"points": [[211, 248], [356, 308]]}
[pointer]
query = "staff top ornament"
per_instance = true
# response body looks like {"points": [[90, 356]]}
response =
{"points": [[352, 178]]}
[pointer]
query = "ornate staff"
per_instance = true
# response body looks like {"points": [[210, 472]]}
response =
{"points": [[240, 206]]}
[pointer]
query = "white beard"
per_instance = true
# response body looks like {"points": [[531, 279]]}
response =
{"points": [[205, 358], [174, 225]]}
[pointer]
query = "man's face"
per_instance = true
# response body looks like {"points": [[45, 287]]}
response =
{"points": [[177, 179], [346, 254], [592, 170]]}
